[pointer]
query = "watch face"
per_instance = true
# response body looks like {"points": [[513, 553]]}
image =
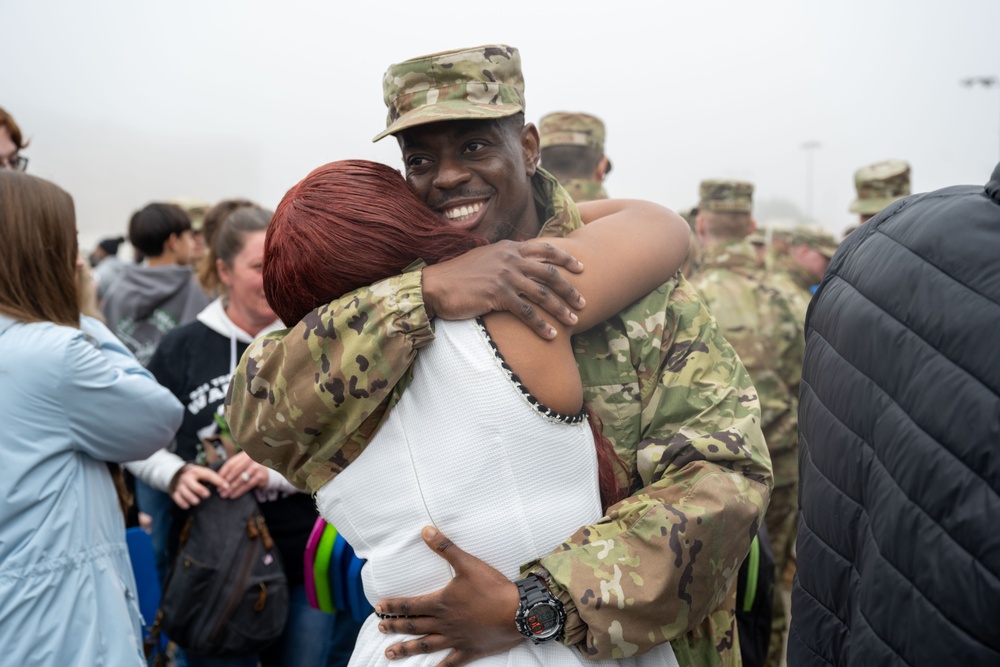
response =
{"points": [[543, 620]]}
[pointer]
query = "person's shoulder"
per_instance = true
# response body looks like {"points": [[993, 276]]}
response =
{"points": [[44, 335], [192, 329], [676, 299], [42, 347], [183, 335]]}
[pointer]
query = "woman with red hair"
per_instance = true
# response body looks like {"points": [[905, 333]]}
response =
{"points": [[490, 442]]}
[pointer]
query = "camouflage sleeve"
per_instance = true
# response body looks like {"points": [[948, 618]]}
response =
{"points": [[305, 401], [662, 562]]}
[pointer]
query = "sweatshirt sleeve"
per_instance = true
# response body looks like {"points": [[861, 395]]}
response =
{"points": [[158, 470], [115, 409]]}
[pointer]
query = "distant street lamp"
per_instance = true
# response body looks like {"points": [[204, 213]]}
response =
{"points": [[984, 81], [809, 147]]}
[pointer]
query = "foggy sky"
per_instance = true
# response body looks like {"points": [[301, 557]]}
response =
{"points": [[128, 102]]}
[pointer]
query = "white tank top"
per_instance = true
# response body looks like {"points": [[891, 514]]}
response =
{"points": [[468, 450]]}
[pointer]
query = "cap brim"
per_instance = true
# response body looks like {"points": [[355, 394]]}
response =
{"points": [[871, 206], [827, 251], [446, 111]]}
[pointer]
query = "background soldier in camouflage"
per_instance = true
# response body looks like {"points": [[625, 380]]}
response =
{"points": [[762, 327], [799, 257], [573, 151], [878, 185], [674, 397]]}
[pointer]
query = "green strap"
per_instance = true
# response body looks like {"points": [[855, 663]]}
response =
{"points": [[321, 570], [753, 567]]}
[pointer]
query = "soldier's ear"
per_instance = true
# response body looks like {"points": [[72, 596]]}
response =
{"points": [[602, 169], [530, 145], [752, 227], [699, 226]]}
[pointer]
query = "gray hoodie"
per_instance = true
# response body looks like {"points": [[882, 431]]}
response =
{"points": [[147, 302]]}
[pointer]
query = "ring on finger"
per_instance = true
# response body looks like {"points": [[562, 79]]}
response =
{"points": [[245, 476]]}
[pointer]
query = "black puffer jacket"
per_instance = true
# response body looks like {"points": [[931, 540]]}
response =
{"points": [[899, 442]]}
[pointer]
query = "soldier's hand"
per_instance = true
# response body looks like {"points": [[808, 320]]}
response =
{"points": [[473, 615], [519, 277]]}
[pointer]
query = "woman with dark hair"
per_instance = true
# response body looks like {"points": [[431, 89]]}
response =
{"points": [[490, 441], [195, 362], [74, 402]]}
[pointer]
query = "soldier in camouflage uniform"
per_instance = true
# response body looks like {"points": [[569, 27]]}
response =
{"points": [[673, 396], [761, 325], [878, 185], [799, 257], [573, 151]]}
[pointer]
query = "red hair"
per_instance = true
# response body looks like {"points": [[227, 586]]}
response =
{"points": [[607, 463], [346, 225], [351, 223]]}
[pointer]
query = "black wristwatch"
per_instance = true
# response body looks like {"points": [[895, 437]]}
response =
{"points": [[541, 616]]}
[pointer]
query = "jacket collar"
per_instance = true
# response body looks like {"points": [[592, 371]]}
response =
{"points": [[555, 206], [738, 256]]}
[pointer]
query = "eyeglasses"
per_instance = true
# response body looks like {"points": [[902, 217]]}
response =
{"points": [[18, 162]]}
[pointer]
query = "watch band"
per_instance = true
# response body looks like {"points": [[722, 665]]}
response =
{"points": [[536, 598]]}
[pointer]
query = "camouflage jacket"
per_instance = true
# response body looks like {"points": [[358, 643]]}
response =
{"points": [[762, 326], [794, 282], [673, 397], [581, 189]]}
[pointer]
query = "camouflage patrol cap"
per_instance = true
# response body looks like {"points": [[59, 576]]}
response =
{"points": [[468, 84], [879, 185], [730, 196], [814, 237], [196, 210], [564, 128]]}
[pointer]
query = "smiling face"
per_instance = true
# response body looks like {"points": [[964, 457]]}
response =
{"points": [[248, 305], [476, 174]]}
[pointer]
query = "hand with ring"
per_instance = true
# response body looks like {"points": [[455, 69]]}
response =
{"points": [[242, 474]]}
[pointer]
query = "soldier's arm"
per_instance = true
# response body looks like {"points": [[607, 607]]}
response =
{"points": [[664, 558], [305, 401]]}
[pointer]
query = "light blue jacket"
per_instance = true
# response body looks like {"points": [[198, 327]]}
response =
{"points": [[70, 400]]}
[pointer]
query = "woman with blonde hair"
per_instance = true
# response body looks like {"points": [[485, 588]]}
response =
{"points": [[74, 399]]}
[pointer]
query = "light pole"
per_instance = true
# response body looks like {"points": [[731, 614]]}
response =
{"points": [[809, 147], [984, 81]]}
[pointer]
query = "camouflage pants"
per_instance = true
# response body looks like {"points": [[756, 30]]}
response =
{"points": [[781, 518]]}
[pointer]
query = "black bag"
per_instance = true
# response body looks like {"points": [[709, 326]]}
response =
{"points": [[754, 600], [226, 594]]}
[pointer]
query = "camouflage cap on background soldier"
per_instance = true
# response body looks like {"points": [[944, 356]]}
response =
{"points": [[726, 196], [564, 128], [478, 83], [196, 210], [880, 184], [814, 237]]}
